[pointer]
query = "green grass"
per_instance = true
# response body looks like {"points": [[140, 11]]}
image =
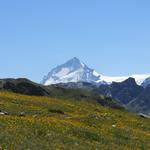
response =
{"points": [[50, 123]]}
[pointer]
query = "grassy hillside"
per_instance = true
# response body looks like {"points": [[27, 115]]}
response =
{"points": [[42, 123], [27, 87]]}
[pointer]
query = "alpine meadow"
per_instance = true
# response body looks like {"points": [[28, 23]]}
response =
{"points": [[74, 75]]}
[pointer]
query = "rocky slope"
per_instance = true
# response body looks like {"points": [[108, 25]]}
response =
{"points": [[141, 103], [25, 86], [132, 96]]}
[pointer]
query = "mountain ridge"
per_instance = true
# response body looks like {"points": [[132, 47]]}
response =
{"points": [[72, 71], [75, 70], [27, 87], [128, 93]]}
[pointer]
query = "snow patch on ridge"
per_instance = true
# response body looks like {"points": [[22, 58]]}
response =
{"points": [[95, 73], [139, 78]]}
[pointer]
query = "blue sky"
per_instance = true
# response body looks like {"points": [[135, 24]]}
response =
{"points": [[111, 36]]}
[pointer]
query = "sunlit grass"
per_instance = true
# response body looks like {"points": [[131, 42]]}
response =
{"points": [[50, 123]]}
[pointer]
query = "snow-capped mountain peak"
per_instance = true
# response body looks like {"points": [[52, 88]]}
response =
{"points": [[74, 63], [72, 71], [76, 71]]}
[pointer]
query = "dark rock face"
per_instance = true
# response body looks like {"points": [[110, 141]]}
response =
{"points": [[134, 97], [25, 86], [124, 91], [141, 103], [22, 86], [146, 83]]}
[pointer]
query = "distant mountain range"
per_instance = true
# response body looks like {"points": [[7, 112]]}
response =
{"points": [[75, 70], [75, 80], [27, 87], [128, 93], [133, 92]]}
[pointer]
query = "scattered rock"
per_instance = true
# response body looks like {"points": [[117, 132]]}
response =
{"points": [[56, 111], [67, 117], [6, 113], [76, 144], [94, 116], [144, 115], [22, 114], [3, 112], [114, 126], [34, 116]]}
